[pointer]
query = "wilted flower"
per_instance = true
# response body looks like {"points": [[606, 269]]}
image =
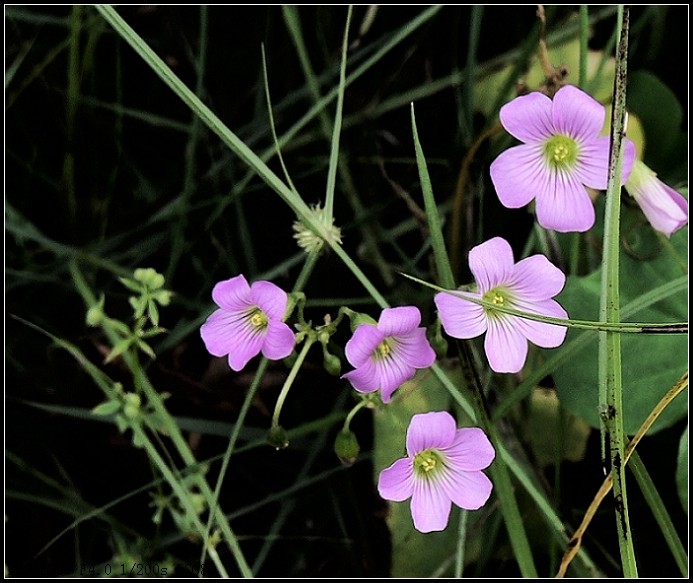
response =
{"points": [[528, 285], [665, 208], [443, 466], [248, 322], [562, 154], [388, 353]]}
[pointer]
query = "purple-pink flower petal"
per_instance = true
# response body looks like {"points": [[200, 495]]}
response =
{"points": [[468, 490], [360, 347], [440, 477], [470, 450], [270, 298], [541, 333], [592, 168], [536, 278], [562, 154], [577, 114], [279, 340], [505, 346], [414, 349], [461, 318], [392, 373], [664, 207], [528, 117], [218, 332], [567, 207], [364, 378], [430, 430], [528, 285], [248, 345], [396, 483], [430, 507], [387, 355], [491, 263], [232, 294], [396, 321], [518, 174], [248, 322]]}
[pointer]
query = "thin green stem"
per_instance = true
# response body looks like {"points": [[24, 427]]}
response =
{"points": [[440, 253], [584, 45], [617, 327], [360, 405], [610, 311], [290, 379], [245, 407]]}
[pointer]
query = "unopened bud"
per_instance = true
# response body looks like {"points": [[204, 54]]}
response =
{"points": [[346, 446], [332, 364], [278, 438]]}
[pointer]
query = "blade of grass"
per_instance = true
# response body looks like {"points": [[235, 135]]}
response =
{"points": [[656, 504]]}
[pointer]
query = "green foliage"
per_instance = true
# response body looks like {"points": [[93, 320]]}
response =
{"points": [[140, 136], [651, 364], [682, 470]]}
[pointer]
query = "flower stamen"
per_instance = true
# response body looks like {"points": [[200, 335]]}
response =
{"points": [[561, 151], [259, 319], [427, 461], [383, 349]]}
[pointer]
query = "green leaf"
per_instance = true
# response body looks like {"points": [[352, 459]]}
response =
{"points": [[651, 363], [661, 116], [153, 312], [682, 470], [106, 408]]}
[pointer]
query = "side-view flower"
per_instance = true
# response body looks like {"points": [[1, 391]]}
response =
{"points": [[387, 354], [666, 209], [528, 285], [561, 154], [248, 321], [443, 466]]}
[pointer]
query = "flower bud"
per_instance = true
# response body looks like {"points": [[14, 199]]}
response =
{"points": [[358, 318], [346, 446], [332, 363], [278, 438], [131, 408]]}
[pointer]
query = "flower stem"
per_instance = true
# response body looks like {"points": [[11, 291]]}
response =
{"points": [[290, 380], [611, 390], [360, 405]]}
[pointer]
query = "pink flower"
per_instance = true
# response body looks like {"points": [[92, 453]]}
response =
{"points": [[528, 285], [388, 353], [248, 322], [443, 465], [562, 153], [665, 208]]}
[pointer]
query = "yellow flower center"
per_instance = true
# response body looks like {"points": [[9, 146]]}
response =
{"points": [[499, 297], [383, 349], [259, 319], [427, 461], [561, 151]]}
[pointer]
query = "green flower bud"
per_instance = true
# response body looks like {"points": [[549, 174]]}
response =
{"points": [[278, 438], [331, 363], [131, 408], [358, 318], [95, 314], [346, 446]]}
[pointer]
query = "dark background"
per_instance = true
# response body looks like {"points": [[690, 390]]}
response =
{"points": [[130, 175]]}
